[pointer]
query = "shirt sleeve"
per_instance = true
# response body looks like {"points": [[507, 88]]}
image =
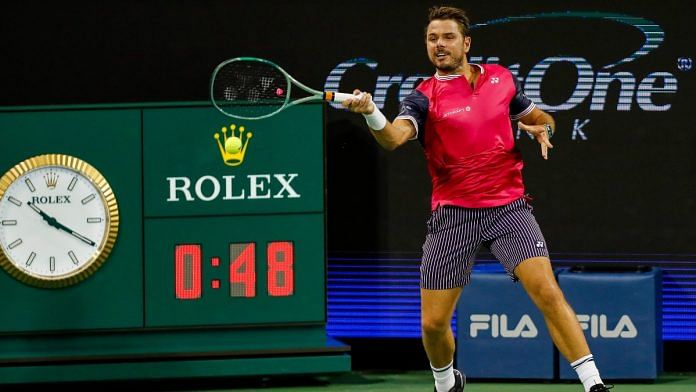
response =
{"points": [[520, 105], [414, 108]]}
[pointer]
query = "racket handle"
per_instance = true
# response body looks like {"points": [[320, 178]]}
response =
{"points": [[332, 96]]}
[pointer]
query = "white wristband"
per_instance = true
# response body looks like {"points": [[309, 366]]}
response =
{"points": [[375, 120]]}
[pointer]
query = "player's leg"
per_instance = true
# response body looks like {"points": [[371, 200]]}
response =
{"points": [[437, 308], [448, 254], [518, 243], [539, 282]]}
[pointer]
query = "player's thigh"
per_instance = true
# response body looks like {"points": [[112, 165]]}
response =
{"points": [[437, 307], [537, 277], [535, 271]]}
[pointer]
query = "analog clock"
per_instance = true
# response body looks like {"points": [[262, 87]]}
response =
{"points": [[58, 220]]}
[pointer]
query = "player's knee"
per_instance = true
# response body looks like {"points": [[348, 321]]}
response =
{"points": [[547, 296], [435, 325]]}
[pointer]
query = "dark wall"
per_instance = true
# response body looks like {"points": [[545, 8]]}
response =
{"points": [[621, 184]]}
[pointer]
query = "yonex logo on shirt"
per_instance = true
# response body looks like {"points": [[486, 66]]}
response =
{"points": [[540, 244], [495, 80]]}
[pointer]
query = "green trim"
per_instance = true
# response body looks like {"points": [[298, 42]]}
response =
{"points": [[176, 369], [30, 348]]}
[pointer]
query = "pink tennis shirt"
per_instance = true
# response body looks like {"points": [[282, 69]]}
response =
{"points": [[467, 136]]}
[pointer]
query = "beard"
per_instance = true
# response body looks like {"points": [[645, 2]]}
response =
{"points": [[454, 64]]}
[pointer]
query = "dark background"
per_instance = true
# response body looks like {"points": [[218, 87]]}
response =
{"points": [[626, 193], [627, 190]]}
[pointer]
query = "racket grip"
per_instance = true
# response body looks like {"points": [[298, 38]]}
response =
{"points": [[332, 96]]}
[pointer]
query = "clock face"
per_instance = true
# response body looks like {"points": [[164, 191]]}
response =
{"points": [[58, 220]]}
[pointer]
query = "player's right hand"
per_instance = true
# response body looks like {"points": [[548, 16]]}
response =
{"points": [[362, 103]]}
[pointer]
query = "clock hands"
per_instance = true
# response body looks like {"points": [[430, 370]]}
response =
{"points": [[54, 223]]}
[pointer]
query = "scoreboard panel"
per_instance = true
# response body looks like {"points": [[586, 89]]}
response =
{"points": [[233, 238], [212, 244]]}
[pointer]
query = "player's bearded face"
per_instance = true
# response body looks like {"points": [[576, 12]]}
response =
{"points": [[447, 47]]}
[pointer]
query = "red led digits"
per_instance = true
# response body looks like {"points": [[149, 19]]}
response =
{"points": [[280, 258], [187, 271], [281, 279], [242, 270]]}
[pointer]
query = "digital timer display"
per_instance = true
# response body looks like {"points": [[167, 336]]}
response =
{"points": [[188, 261], [235, 270]]}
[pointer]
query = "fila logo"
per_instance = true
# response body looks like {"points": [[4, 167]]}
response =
{"points": [[598, 326], [540, 244], [498, 325], [495, 80]]}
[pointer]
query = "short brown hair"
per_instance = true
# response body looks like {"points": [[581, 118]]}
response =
{"points": [[456, 14]]}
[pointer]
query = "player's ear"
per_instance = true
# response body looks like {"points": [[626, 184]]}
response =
{"points": [[467, 44]]}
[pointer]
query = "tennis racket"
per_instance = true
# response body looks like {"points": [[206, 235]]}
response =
{"points": [[251, 88]]}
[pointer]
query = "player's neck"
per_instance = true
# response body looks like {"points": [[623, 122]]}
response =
{"points": [[471, 74], [469, 71]]}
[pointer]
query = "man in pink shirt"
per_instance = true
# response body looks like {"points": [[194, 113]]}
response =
{"points": [[462, 118]]}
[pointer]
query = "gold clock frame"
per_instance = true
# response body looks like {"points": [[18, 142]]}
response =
{"points": [[107, 196]]}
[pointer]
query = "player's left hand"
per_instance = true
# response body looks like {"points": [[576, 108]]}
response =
{"points": [[539, 133]]}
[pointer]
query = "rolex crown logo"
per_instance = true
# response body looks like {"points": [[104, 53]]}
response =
{"points": [[233, 147], [51, 179]]}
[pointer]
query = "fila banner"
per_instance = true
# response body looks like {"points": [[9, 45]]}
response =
{"points": [[620, 313]]}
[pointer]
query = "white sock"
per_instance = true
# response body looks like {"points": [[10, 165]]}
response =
{"points": [[444, 377], [587, 372]]}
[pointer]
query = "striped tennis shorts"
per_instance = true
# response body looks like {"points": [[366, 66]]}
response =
{"points": [[455, 235]]}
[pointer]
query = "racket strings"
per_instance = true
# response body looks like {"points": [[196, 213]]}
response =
{"points": [[249, 89]]}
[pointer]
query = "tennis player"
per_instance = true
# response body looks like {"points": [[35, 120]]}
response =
{"points": [[462, 118]]}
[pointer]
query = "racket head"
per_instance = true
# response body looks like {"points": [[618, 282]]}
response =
{"points": [[249, 88]]}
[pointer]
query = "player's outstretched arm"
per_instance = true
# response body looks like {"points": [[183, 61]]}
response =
{"points": [[389, 135]]}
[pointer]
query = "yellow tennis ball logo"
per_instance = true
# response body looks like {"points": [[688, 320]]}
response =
{"points": [[233, 144]]}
